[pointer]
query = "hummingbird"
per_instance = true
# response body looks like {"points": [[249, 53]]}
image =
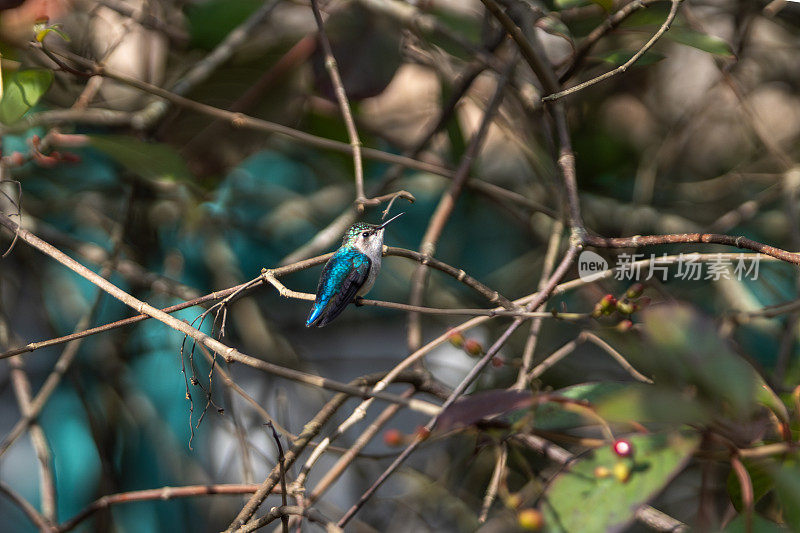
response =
{"points": [[350, 272]]}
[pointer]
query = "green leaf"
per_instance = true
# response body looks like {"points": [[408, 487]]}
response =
{"points": [[620, 57], [701, 41], [578, 500], [650, 19], [41, 34], [21, 91], [759, 477], [462, 24], [152, 161], [607, 5], [210, 22], [552, 416], [649, 403], [567, 4], [760, 525], [787, 488], [684, 352]]}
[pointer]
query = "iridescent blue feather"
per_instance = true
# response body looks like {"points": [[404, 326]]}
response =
{"points": [[343, 275]]}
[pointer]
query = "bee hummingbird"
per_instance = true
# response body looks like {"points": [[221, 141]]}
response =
{"points": [[349, 273]]}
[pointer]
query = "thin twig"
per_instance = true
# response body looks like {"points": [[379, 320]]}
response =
{"points": [[625, 66], [38, 520], [344, 106], [447, 203], [283, 513], [618, 357], [282, 473], [164, 493], [607, 26], [536, 324], [746, 487], [553, 358], [494, 483]]}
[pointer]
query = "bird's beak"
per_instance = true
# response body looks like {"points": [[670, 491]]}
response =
{"points": [[393, 218]]}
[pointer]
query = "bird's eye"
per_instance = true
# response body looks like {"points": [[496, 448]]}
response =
{"points": [[365, 234]]}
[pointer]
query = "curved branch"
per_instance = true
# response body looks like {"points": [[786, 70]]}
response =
{"points": [[692, 238], [163, 493]]}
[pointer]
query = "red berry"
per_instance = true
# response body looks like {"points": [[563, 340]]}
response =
{"points": [[608, 300], [497, 362], [624, 325], [622, 447], [393, 437], [473, 347]]}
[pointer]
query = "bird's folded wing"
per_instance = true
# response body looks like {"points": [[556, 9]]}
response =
{"points": [[354, 269]]}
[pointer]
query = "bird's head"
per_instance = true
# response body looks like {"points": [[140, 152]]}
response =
{"points": [[367, 238]]}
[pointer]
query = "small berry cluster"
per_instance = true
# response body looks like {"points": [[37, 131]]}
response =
{"points": [[471, 347], [621, 470], [37, 155], [395, 438], [626, 305]]}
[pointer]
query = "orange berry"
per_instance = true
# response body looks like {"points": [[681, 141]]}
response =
{"points": [[530, 519], [393, 437], [473, 347], [601, 471]]}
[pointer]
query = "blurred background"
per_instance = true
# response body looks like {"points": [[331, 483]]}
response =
{"points": [[170, 203]]}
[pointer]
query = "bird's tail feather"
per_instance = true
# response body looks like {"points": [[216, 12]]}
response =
{"points": [[315, 315]]}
